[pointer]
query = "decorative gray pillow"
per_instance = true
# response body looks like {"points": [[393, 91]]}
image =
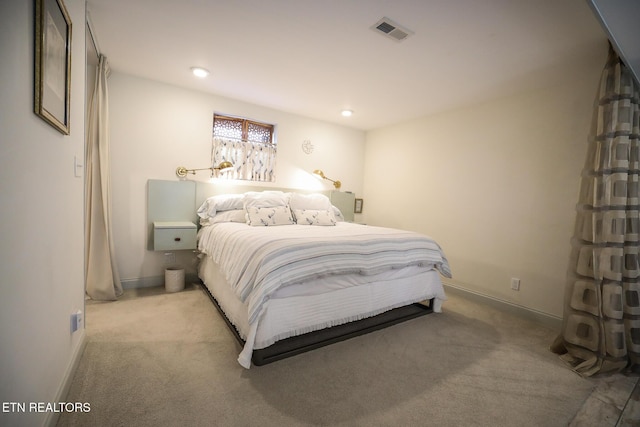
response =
{"points": [[314, 217], [277, 215]]}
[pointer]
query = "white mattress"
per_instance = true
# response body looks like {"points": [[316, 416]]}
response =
{"points": [[324, 302]]}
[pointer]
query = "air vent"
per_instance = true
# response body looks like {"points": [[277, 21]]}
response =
{"points": [[390, 29]]}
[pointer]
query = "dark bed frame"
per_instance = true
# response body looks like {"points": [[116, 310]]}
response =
{"points": [[310, 341]]}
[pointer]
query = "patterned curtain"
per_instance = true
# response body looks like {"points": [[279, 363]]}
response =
{"points": [[252, 161], [601, 325]]}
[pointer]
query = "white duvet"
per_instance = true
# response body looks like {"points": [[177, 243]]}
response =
{"points": [[257, 261]]}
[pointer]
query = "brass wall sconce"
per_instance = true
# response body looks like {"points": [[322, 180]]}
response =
{"points": [[319, 174], [181, 171]]}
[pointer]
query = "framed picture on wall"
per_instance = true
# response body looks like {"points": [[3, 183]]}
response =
{"points": [[358, 206], [52, 63]]}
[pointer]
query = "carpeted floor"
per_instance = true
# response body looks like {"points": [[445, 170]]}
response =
{"points": [[159, 359]]}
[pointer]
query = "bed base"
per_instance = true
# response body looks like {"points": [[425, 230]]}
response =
{"points": [[312, 340]]}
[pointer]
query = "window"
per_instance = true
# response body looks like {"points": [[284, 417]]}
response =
{"points": [[242, 129], [247, 144]]}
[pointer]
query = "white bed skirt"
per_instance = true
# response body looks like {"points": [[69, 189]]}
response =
{"points": [[298, 309]]}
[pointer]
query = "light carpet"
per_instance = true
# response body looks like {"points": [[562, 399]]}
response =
{"points": [[167, 359]]}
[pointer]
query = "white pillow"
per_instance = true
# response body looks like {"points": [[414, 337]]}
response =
{"points": [[219, 203], [314, 217], [314, 201], [276, 215], [265, 199], [337, 214], [235, 215]]}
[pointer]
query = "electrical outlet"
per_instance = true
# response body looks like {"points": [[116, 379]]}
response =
{"points": [[77, 320], [74, 322], [515, 284]]}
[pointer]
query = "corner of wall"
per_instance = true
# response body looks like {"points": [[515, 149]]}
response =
{"points": [[546, 319]]}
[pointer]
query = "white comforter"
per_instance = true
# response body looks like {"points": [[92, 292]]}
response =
{"points": [[257, 261]]}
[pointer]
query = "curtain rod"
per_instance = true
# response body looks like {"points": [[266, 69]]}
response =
{"points": [[92, 33]]}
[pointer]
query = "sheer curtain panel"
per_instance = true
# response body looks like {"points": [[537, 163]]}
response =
{"points": [[102, 280], [252, 161]]}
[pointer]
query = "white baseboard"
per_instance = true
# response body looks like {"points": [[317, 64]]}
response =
{"points": [[153, 281], [52, 417], [548, 320], [142, 282]]}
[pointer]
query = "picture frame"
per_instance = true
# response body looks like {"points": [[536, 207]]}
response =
{"points": [[357, 208], [52, 75]]}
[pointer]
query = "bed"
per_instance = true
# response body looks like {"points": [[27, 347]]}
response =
{"points": [[289, 275]]}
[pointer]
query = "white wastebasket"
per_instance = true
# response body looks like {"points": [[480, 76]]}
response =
{"points": [[174, 279]]}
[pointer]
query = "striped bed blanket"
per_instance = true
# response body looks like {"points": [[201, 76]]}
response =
{"points": [[257, 261]]}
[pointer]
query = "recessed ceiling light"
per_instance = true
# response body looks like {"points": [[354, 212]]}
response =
{"points": [[347, 113], [199, 72]]}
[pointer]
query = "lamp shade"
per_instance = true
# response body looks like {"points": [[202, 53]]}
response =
{"points": [[225, 166]]}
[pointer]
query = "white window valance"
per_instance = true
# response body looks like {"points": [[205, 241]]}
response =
{"points": [[251, 161]]}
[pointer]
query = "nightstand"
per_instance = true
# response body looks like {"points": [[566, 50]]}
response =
{"points": [[174, 235]]}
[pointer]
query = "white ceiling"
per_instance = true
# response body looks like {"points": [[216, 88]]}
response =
{"points": [[314, 58]]}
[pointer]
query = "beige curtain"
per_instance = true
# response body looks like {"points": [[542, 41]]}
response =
{"points": [[601, 325], [102, 279]]}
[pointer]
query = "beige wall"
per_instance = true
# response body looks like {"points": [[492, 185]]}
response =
{"points": [[41, 212], [157, 127], [496, 184]]}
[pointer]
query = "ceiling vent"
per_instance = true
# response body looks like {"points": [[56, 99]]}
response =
{"points": [[390, 29]]}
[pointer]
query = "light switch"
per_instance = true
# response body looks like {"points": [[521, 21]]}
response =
{"points": [[77, 167]]}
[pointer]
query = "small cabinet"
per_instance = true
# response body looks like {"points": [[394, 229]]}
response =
{"points": [[174, 235]]}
